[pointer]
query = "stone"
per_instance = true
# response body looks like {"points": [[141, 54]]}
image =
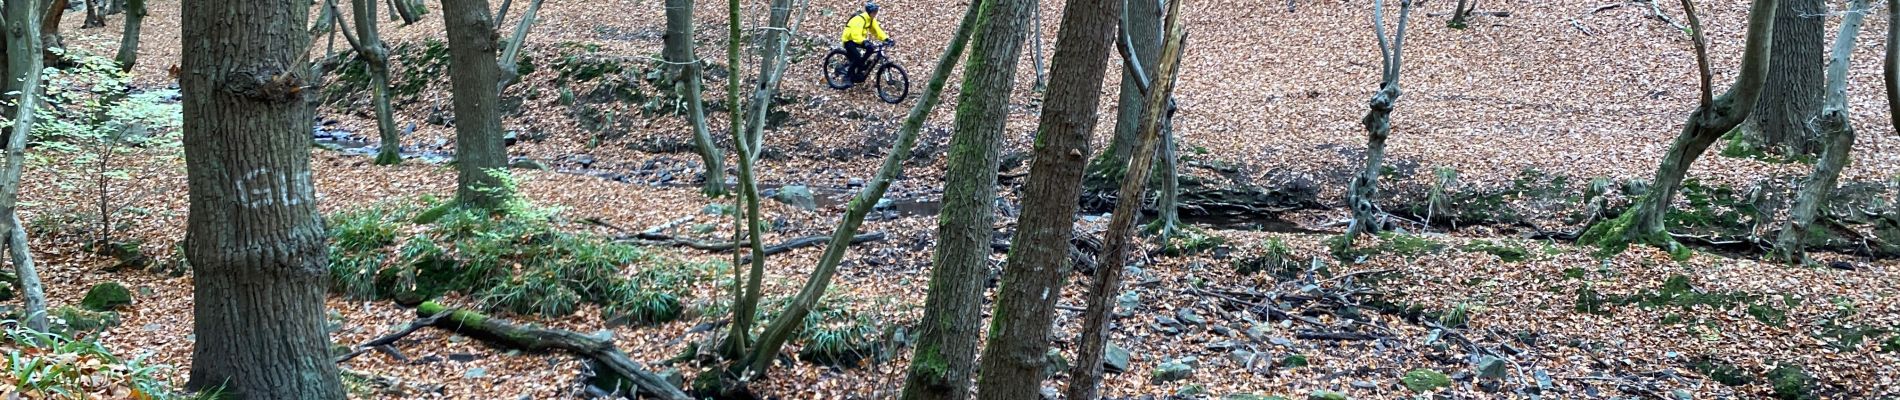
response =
{"points": [[1368, 385], [106, 297], [1323, 394], [797, 196], [1241, 357], [1188, 316], [1127, 303], [477, 372], [1171, 371], [527, 163], [1115, 359], [1425, 380], [717, 209], [1491, 368]]}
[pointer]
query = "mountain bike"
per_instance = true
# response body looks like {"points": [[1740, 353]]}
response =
{"points": [[892, 83]]}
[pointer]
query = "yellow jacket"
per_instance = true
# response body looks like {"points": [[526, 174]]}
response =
{"points": [[863, 27]]}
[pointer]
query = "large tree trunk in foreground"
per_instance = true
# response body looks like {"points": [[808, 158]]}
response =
{"points": [[1378, 123], [23, 66], [1014, 354], [685, 74], [1792, 98], [1643, 222], [1834, 124], [129, 42], [945, 358], [473, 75], [1141, 24], [782, 328], [254, 237], [1085, 375]]}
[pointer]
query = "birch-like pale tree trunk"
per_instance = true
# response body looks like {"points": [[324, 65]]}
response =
{"points": [[1838, 133]]}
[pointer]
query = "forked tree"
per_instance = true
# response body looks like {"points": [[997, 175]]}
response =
{"points": [[254, 238], [1837, 132], [684, 72], [1366, 217], [1713, 117]]}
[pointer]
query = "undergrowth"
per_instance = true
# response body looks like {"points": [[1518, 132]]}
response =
{"points": [[51, 366], [513, 259]]}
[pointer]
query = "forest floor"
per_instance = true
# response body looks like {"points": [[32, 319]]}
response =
{"points": [[1269, 97]]}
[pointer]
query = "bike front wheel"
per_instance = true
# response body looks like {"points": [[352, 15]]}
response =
{"points": [[893, 84], [838, 70]]}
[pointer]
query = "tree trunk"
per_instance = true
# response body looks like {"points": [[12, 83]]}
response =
{"points": [[511, 53], [23, 67], [473, 75], [375, 55], [1890, 69], [254, 237], [1085, 375], [93, 18], [1167, 221], [1838, 130], [1035, 26], [129, 42], [409, 11], [1142, 22], [1792, 98], [1461, 13], [792, 318], [1014, 353], [1643, 222], [745, 300], [686, 77], [1378, 123], [771, 70], [50, 40]]}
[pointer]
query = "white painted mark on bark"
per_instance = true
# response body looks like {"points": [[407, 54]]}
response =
{"points": [[264, 187]]}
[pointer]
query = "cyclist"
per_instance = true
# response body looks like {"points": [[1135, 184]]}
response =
{"points": [[857, 36]]}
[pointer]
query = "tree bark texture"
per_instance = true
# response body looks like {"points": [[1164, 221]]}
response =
{"points": [[1085, 374], [473, 75], [1014, 353], [1716, 116], [254, 238], [23, 66], [1378, 123], [1833, 123], [1141, 23], [49, 29], [128, 55], [685, 73], [1890, 69], [1792, 98]]}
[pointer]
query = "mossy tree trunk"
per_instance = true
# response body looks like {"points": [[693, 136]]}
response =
{"points": [[745, 298], [1141, 27], [23, 66], [254, 237], [1013, 358], [791, 319], [1792, 98], [945, 355], [1378, 123], [1717, 115], [1835, 126], [93, 18], [369, 46], [1085, 374], [473, 75], [685, 74], [128, 55]]}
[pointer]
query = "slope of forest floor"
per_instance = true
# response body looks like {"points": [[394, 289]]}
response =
{"points": [[1269, 97]]}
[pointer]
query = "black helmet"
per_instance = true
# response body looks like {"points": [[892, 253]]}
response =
{"points": [[870, 6]]}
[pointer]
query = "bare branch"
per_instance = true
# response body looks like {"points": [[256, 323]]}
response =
{"points": [[1398, 42], [344, 27], [1378, 30], [502, 13], [1701, 53]]}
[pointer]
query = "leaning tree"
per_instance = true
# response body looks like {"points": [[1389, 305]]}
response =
{"points": [[1713, 117], [1838, 136], [23, 67]]}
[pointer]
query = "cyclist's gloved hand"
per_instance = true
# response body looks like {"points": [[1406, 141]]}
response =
{"points": [[890, 42]]}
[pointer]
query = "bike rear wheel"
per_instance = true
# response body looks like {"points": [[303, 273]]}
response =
{"points": [[838, 70], [893, 84]]}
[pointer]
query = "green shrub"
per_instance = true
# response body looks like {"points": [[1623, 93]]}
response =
{"points": [[1274, 257], [51, 366], [1791, 382]]}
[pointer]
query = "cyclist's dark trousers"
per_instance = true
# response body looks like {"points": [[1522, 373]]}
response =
{"points": [[856, 52]]}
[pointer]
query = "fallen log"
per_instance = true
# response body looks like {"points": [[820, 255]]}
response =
{"points": [[530, 338], [655, 238], [1316, 335], [386, 340]]}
